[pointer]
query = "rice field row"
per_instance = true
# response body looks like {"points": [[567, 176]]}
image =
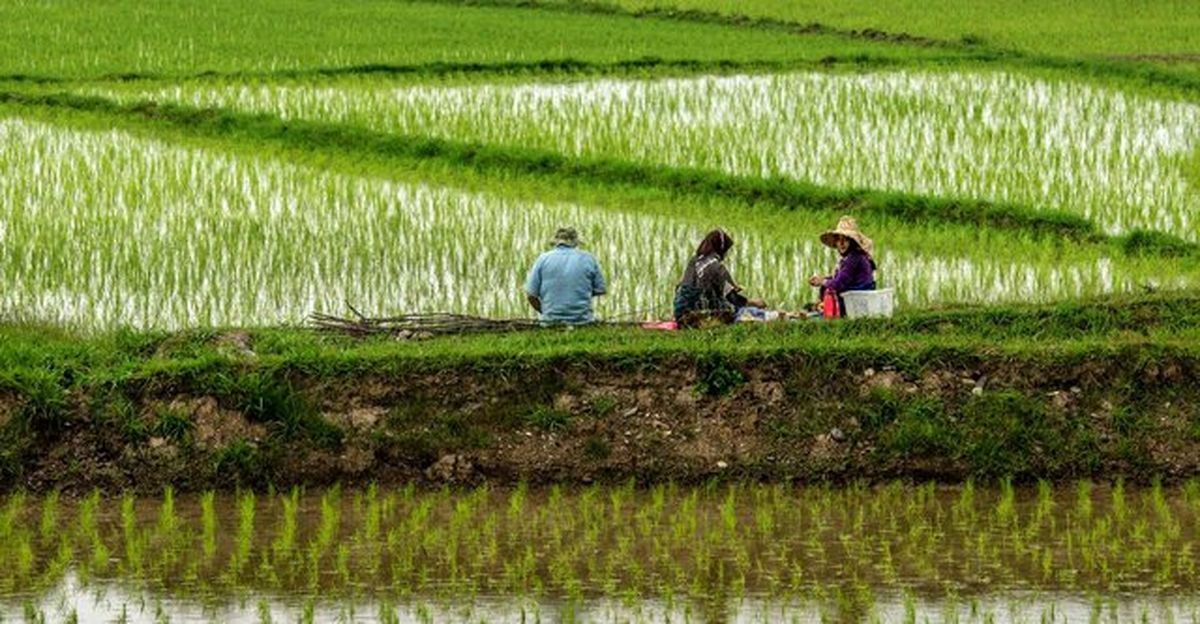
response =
{"points": [[82, 39], [757, 550], [106, 229], [1118, 159], [1082, 28]]}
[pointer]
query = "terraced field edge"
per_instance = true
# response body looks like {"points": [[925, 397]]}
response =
{"points": [[1099, 390]]}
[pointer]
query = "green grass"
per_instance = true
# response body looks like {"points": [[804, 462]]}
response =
{"points": [[75, 39], [67, 357], [1077, 28]]}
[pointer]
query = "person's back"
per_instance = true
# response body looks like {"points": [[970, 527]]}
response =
{"points": [[562, 282]]}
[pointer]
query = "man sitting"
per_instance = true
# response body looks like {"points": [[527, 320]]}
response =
{"points": [[562, 282]]}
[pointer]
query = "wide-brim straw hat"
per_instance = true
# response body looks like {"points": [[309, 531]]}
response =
{"points": [[848, 227]]}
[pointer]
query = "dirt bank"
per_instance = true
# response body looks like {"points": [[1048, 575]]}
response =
{"points": [[941, 414]]}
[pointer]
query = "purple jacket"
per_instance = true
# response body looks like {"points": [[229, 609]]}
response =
{"points": [[855, 271]]}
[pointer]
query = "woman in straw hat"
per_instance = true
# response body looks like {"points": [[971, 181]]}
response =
{"points": [[856, 269]]}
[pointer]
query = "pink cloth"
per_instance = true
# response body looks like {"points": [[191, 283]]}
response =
{"points": [[661, 325]]}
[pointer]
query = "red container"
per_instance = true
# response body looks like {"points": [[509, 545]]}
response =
{"points": [[829, 305]]}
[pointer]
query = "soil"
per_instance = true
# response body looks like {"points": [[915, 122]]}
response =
{"points": [[777, 420]]}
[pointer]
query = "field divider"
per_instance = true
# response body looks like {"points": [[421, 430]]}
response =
{"points": [[1098, 365], [783, 193], [641, 66]]}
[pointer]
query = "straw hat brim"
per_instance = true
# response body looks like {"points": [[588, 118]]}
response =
{"points": [[829, 239]]}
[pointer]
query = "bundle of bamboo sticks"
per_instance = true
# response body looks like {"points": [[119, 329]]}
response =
{"points": [[416, 326]]}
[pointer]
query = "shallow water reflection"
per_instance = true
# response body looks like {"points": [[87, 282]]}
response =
{"points": [[714, 553]]}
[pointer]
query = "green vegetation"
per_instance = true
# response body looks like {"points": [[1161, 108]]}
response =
{"points": [[804, 552], [1072, 391], [1020, 141], [74, 39], [929, 262], [1077, 28], [171, 170]]}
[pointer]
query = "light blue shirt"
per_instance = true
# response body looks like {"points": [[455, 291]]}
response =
{"points": [[565, 279]]}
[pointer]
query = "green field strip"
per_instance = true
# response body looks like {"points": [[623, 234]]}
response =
{"points": [[1056, 27], [736, 20], [74, 40], [1123, 70], [688, 182], [43, 366], [1098, 325]]}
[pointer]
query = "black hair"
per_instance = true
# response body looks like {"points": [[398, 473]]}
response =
{"points": [[715, 242]]}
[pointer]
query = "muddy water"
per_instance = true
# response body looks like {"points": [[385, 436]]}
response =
{"points": [[718, 553]]}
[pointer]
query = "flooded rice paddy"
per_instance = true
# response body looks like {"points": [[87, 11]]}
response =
{"points": [[1114, 157], [713, 553], [104, 229]]}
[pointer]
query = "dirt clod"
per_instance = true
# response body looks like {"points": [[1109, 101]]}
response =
{"points": [[451, 469]]}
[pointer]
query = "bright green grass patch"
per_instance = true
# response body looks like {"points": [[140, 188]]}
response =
{"points": [[80, 39], [1054, 27], [1059, 328], [1108, 156]]}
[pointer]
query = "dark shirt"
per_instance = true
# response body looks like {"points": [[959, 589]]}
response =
{"points": [[855, 271], [704, 286]]}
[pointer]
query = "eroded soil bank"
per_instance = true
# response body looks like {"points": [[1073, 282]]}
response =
{"points": [[899, 411]]}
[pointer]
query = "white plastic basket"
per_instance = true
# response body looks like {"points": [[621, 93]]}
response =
{"points": [[864, 303]]}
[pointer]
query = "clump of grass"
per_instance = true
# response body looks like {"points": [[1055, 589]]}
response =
{"points": [[174, 424], [1143, 242], [420, 434], [242, 462], [603, 406], [267, 398], [717, 375], [548, 418], [596, 448]]}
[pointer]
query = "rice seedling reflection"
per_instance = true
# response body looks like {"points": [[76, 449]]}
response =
{"points": [[865, 552]]}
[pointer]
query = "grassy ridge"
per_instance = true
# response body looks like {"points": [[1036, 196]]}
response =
{"points": [[537, 163], [120, 387], [29, 351]]}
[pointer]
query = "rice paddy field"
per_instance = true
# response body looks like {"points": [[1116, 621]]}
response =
{"points": [[199, 167], [895, 552]]}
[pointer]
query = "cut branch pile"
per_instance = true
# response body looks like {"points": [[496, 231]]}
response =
{"points": [[416, 326]]}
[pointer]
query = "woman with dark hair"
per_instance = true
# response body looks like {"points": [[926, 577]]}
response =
{"points": [[707, 288], [855, 269]]}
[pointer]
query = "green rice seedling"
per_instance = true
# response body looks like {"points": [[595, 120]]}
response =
{"points": [[1083, 500], [208, 525], [284, 543], [247, 507], [48, 526], [168, 520], [88, 532], [133, 537]]}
